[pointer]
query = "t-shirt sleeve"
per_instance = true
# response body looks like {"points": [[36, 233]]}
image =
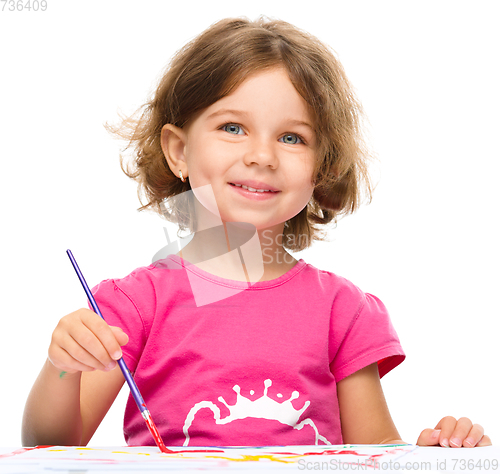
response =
{"points": [[119, 309], [364, 336]]}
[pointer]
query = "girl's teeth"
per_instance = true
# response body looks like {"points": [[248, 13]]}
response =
{"points": [[252, 189]]}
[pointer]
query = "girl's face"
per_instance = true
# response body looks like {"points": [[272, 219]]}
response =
{"points": [[260, 136]]}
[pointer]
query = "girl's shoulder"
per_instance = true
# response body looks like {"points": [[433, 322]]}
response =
{"points": [[144, 276], [132, 301], [346, 297], [139, 289], [331, 281]]}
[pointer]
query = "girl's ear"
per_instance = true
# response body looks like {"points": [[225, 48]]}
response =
{"points": [[173, 144]]}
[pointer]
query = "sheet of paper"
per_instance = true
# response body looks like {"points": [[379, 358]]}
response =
{"points": [[266, 459]]}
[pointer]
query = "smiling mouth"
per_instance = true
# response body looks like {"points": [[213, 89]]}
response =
{"points": [[253, 190]]}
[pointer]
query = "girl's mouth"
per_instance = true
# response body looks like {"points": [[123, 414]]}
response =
{"points": [[252, 193], [253, 190]]}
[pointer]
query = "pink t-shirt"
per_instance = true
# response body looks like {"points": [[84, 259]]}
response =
{"points": [[225, 363]]}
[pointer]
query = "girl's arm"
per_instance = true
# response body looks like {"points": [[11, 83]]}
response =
{"points": [[65, 406], [98, 392], [364, 414]]}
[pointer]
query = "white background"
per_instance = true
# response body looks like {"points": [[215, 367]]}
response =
{"points": [[427, 73]]}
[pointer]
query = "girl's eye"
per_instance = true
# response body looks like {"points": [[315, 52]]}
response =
{"points": [[291, 139], [232, 128]]}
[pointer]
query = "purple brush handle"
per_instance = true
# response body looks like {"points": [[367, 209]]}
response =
{"points": [[123, 366]]}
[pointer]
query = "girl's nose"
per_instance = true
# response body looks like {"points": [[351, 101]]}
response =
{"points": [[261, 152]]}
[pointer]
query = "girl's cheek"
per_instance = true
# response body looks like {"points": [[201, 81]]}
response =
{"points": [[205, 195]]}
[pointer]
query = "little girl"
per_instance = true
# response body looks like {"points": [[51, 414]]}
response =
{"points": [[251, 141]]}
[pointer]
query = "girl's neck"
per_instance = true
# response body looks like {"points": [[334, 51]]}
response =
{"points": [[241, 252]]}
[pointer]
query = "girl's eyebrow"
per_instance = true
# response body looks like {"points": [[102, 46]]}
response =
{"points": [[246, 114], [228, 111], [300, 122]]}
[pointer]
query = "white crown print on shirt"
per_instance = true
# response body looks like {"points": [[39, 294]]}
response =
{"points": [[263, 407]]}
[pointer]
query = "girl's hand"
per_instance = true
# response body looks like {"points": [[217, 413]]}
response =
{"points": [[453, 433], [82, 342]]}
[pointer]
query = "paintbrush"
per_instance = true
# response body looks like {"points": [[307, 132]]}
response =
{"points": [[123, 366]]}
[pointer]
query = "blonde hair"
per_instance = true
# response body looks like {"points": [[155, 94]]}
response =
{"points": [[209, 68]]}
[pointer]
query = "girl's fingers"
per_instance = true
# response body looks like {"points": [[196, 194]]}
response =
{"points": [[121, 337], [82, 345], [65, 362], [473, 436], [105, 336], [88, 340], [80, 354], [461, 431], [92, 353], [429, 437], [447, 426], [484, 441], [454, 432]]}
